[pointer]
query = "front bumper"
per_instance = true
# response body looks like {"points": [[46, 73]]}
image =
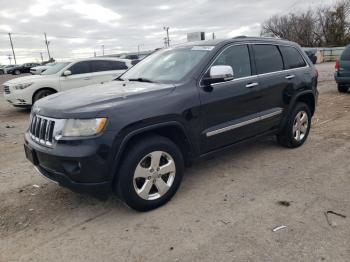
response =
{"points": [[82, 166], [18, 98]]}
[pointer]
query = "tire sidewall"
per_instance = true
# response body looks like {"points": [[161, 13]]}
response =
{"points": [[39, 96], [125, 186], [17, 72], [298, 108]]}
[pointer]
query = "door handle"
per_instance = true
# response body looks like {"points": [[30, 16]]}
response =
{"points": [[87, 78], [251, 85], [290, 77]]}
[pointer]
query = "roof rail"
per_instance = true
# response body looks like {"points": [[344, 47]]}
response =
{"points": [[240, 36]]}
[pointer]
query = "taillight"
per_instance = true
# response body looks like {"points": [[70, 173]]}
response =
{"points": [[337, 65]]}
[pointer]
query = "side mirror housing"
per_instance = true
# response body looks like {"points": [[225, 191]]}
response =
{"points": [[67, 73], [218, 74]]}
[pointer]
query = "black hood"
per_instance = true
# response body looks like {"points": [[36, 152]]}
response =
{"points": [[92, 100]]}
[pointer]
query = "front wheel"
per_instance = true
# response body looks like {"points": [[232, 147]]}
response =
{"points": [[297, 127], [150, 173], [17, 72], [41, 94]]}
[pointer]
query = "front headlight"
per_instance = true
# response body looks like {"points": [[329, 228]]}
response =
{"points": [[84, 127], [21, 86]]}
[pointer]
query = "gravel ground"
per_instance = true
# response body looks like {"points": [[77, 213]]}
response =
{"points": [[225, 210]]}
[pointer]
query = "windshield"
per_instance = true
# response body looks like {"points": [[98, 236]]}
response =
{"points": [[55, 69], [167, 66]]}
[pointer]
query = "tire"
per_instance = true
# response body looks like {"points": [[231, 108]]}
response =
{"points": [[17, 72], [137, 172], [342, 88], [289, 136], [41, 94]]}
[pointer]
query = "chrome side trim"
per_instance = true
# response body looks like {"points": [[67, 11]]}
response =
{"points": [[248, 122]]}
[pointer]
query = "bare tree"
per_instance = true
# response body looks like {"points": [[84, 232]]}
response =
{"points": [[327, 26]]}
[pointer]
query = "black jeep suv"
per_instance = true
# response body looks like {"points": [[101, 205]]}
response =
{"points": [[135, 135]]}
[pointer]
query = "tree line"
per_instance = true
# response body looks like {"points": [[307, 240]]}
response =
{"points": [[326, 26]]}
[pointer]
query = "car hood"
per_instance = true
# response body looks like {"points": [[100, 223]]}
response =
{"points": [[28, 79], [91, 101]]}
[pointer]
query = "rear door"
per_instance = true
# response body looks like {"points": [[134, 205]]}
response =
{"points": [[273, 83], [81, 76]]}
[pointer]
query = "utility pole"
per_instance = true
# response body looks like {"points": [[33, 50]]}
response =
{"points": [[47, 46], [41, 55], [213, 35], [103, 50], [13, 51], [138, 49], [166, 28], [10, 58]]}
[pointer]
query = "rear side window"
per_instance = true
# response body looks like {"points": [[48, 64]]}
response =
{"points": [[118, 65], [238, 58], [346, 54], [291, 57], [80, 68], [267, 58]]}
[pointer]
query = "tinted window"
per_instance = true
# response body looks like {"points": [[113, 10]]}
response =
{"points": [[238, 58], [118, 65], [291, 57], [80, 68], [267, 58], [346, 54]]}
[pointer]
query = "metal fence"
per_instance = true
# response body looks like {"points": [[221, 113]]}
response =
{"points": [[327, 54]]}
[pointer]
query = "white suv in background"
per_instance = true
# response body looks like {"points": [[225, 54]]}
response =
{"points": [[37, 70], [24, 91]]}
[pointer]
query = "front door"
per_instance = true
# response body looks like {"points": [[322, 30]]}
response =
{"points": [[230, 110], [81, 76]]}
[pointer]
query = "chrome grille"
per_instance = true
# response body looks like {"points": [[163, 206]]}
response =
{"points": [[7, 89], [41, 130]]}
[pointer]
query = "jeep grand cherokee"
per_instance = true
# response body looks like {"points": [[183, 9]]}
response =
{"points": [[135, 135]]}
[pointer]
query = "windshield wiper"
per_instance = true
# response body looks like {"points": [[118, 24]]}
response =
{"points": [[141, 79]]}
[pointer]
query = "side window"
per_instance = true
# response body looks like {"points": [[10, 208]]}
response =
{"points": [[118, 65], [80, 68], [267, 59], [100, 65], [238, 58], [292, 58]]}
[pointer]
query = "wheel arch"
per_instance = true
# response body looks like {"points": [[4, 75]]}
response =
{"points": [[43, 88], [173, 130], [306, 97]]}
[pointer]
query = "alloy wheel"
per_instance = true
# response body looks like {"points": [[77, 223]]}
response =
{"points": [[300, 126], [154, 175]]}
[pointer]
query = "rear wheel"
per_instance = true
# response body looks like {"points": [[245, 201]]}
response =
{"points": [[342, 88], [297, 127], [150, 174], [17, 72], [41, 94]]}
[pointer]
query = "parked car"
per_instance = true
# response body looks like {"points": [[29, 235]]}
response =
{"points": [[24, 91], [311, 53], [37, 70], [4, 69], [135, 135], [342, 71], [25, 68]]}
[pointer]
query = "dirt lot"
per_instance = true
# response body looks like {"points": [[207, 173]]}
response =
{"points": [[225, 209]]}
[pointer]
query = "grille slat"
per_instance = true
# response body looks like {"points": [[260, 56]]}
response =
{"points": [[41, 130], [7, 89]]}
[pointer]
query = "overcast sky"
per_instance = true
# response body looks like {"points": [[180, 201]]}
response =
{"points": [[77, 28]]}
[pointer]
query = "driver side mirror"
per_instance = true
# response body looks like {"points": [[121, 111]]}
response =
{"points": [[67, 73], [218, 74]]}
